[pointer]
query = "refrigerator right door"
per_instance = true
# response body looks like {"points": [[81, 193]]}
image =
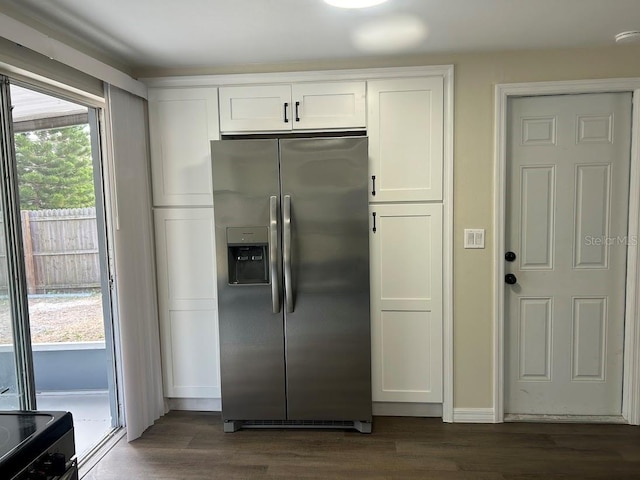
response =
{"points": [[326, 266]]}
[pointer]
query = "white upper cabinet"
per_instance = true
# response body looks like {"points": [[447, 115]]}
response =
{"points": [[255, 108], [182, 122], [405, 128], [329, 105], [301, 106]]}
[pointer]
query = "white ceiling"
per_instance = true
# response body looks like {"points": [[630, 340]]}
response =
{"points": [[180, 34]]}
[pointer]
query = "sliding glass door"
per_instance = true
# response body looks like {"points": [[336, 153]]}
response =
{"points": [[17, 388], [61, 331]]}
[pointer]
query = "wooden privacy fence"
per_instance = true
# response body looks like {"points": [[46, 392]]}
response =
{"points": [[60, 249]]}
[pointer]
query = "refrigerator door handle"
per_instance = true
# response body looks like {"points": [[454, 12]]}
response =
{"points": [[286, 252], [273, 253]]}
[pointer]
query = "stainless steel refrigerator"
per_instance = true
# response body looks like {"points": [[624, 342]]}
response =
{"points": [[291, 221]]}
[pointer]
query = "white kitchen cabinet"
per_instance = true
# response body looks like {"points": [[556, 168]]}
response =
{"points": [[406, 303], [299, 106], [329, 105], [405, 128], [185, 259], [182, 122]]}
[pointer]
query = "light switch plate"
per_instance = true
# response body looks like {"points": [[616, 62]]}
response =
{"points": [[474, 238]]}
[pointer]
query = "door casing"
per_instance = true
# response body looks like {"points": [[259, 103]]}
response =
{"points": [[631, 376]]}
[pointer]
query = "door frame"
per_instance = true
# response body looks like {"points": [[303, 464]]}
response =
{"points": [[631, 373]]}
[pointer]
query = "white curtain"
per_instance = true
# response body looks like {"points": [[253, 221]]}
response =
{"points": [[130, 204]]}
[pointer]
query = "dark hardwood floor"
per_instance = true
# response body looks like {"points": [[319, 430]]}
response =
{"points": [[192, 446]]}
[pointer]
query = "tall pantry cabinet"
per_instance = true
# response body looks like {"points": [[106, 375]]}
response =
{"points": [[182, 122], [403, 112], [405, 128]]}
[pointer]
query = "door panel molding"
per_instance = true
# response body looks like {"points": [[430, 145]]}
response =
{"points": [[536, 319], [631, 379], [535, 179]]}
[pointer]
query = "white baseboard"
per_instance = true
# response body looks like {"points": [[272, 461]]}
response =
{"points": [[473, 415], [535, 418], [194, 404], [398, 409]]}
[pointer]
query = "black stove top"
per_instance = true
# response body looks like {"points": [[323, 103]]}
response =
{"points": [[25, 435]]}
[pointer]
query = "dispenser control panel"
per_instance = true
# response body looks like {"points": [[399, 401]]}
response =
{"points": [[247, 253]]}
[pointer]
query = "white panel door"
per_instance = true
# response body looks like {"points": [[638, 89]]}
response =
{"points": [[405, 128], [406, 303], [567, 209], [329, 105], [185, 250], [182, 122], [255, 108]]}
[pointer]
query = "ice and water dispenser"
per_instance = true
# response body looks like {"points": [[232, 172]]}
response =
{"points": [[247, 252]]}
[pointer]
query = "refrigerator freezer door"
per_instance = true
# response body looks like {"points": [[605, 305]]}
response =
{"points": [[328, 331], [245, 180]]}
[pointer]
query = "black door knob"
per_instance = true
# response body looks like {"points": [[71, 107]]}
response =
{"points": [[509, 256], [510, 279]]}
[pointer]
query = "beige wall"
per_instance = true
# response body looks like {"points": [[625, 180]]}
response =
{"points": [[475, 78]]}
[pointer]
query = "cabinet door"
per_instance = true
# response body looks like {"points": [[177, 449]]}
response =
{"points": [[186, 269], [329, 105], [255, 108], [182, 122], [405, 126], [406, 303]]}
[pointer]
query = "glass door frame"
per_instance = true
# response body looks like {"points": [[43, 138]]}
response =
{"points": [[106, 276], [17, 280], [15, 254]]}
